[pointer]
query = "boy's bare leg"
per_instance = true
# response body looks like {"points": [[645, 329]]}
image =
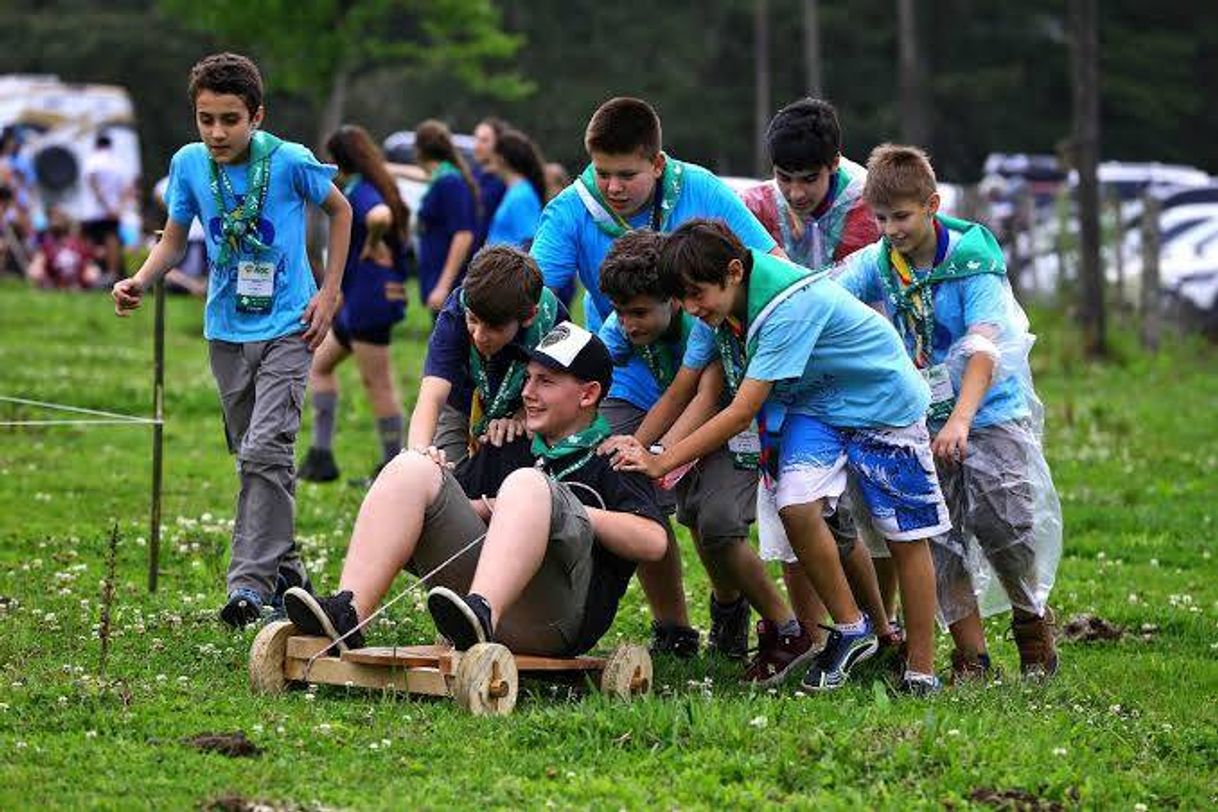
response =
{"points": [[808, 606], [738, 563], [866, 588], [886, 575], [516, 540], [724, 586], [916, 574], [816, 550], [326, 359], [663, 585], [376, 372], [388, 527], [968, 634]]}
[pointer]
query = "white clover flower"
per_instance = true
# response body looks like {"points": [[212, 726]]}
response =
{"points": [[1059, 751]]}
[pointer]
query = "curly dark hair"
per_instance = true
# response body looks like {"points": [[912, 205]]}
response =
{"points": [[227, 73], [632, 267]]}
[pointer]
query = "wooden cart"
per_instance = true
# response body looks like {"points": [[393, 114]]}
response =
{"points": [[483, 680]]}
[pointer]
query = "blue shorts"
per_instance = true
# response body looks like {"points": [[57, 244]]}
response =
{"points": [[894, 469]]}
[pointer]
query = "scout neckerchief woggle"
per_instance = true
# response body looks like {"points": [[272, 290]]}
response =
{"points": [[664, 199], [572, 452], [239, 225], [503, 402]]}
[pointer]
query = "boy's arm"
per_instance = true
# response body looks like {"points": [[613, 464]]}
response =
{"points": [[320, 311], [433, 394], [670, 406], [718, 430], [166, 254], [951, 443], [702, 408], [407, 171], [628, 535]]}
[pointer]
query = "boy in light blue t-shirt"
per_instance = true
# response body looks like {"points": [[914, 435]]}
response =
{"points": [[942, 282], [264, 313], [832, 391], [716, 498], [631, 183]]}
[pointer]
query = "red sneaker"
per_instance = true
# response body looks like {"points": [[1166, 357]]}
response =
{"points": [[777, 655]]}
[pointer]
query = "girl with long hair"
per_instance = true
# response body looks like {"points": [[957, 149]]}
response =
{"points": [[519, 163], [448, 214], [373, 300]]}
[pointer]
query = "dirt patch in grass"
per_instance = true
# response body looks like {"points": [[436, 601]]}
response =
{"points": [[1088, 628], [1015, 800], [233, 745]]}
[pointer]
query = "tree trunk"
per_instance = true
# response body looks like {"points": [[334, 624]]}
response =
{"points": [[761, 84], [1084, 47], [915, 105], [812, 57], [335, 107]]}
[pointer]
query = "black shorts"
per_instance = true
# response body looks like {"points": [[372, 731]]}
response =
{"points": [[96, 231], [379, 336]]}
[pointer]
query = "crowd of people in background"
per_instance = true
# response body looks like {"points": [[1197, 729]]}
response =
{"points": [[42, 242]]}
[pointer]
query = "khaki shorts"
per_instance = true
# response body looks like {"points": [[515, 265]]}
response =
{"points": [[625, 418], [452, 434], [547, 618]]}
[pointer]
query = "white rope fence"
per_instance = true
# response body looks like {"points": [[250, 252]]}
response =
{"points": [[100, 418]]}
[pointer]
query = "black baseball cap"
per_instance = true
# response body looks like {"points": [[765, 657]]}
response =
{"points": [[572, 349]]}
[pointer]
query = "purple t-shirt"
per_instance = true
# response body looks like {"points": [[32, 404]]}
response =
{"points": [[447, 208]]}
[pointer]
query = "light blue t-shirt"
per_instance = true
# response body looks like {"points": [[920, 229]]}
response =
{"points": [[515, 221], [958, 305], [833, 358], [570, 244], [633, 380], [296, 178]]}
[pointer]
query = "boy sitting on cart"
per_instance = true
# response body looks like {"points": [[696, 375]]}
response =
{"points": [[531, 544]]}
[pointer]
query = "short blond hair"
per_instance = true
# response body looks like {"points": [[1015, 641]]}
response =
{"points": [[897, 172]]}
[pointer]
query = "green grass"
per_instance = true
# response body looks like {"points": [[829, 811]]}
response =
{"points": [[1132, 444]]}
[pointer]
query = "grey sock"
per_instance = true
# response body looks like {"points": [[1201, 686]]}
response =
{"points": [[789, 628], [389, 429], [325, 406]]}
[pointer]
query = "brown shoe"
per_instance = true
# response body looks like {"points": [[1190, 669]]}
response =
{"points": [[969, 667], [777, 656], [1034, 638]]}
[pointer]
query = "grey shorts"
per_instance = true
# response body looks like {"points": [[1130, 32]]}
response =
{"points": [[452, 434], [717, 500], [549, 615], [625, 418]]}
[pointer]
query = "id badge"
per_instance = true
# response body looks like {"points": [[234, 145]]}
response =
{"points": [[745, 448], [942, 395], [255, 286]]}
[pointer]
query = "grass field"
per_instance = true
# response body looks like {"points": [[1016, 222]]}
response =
{"points": [[1127, 724]]}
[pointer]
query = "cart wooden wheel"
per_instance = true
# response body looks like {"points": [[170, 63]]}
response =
{"points": [[486, 680], [267, 656], [627, 672]]}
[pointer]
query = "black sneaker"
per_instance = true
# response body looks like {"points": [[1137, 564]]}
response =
{"points": [[729, 632], [841, 653], [673, 639], [318, 466], [243, 608], [465, 621], [332, 617], [285, 580], [364, 483]]}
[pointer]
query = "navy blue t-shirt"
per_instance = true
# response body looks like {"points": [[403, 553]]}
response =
{"points": [[448, 353], [446, 209], [371, 292]]}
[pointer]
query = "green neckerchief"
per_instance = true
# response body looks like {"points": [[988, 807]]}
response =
{"points": [[668, 190], [976, 252], [771, 281], [351, 182], [582, 445], [502, 402], [442, 170], [239, 226], [662, 357]]}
